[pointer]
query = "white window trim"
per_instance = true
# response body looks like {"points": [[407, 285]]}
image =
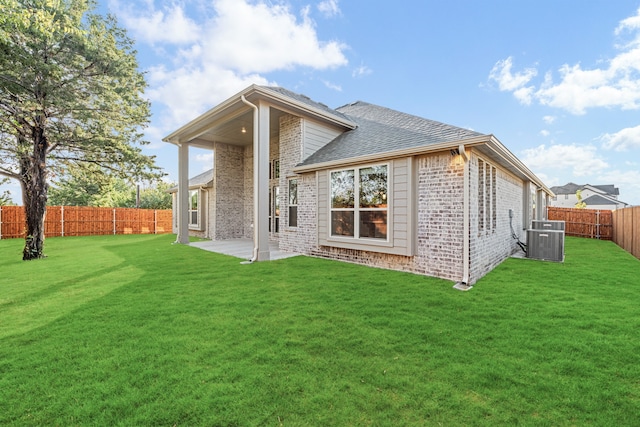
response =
{"points": [[199, 225], [355, 239]]}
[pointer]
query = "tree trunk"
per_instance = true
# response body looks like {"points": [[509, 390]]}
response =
{"points": [[34, 195]]}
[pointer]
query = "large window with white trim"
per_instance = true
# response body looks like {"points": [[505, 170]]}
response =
{"points": [[359, 202]]}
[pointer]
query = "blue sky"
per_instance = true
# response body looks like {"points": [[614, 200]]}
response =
{"points": [[558, 82]]}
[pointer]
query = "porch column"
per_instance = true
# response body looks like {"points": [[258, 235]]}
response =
{"points": [[261, 184], [183, 193]]}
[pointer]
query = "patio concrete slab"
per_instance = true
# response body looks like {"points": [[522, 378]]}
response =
{"points": [[240, 248]]}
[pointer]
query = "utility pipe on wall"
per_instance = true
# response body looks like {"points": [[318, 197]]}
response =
{"points": [[256, 178]]}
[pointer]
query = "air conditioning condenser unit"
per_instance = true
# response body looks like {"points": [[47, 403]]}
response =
{"points": [[538, 224], [547, 245]]}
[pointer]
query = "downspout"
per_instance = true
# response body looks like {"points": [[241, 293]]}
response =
{"points": [[464, 283], [256, 217]]}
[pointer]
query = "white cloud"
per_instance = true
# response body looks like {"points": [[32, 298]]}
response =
{"points": [[623, 140], [627, 181], [631, 23], [549, 119], [261, 38], [201, 63], [152, 26], [581, 160], [361, 71], [544, 132], [329, 8], [616, 84], [509, 82], [332, 86]]}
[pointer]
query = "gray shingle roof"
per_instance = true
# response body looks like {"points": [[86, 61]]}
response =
{"points": [[597, 199], [571, 188], [383, 130], [304, 100], [205, 179]]}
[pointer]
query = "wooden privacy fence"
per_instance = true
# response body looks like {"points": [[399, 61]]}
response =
{"points": [[589, 223], [626, 229], [87, 221]]}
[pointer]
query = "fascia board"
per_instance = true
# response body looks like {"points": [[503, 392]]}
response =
{"points": [[499, 149], [389, 155], [200, 124]]}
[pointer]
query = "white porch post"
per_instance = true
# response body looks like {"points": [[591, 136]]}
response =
{"points": [[183, 193], [261, 184]]}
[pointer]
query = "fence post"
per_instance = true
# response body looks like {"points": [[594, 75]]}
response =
{"points": [[598, 224], [0, 222], [114, 221], [61, 221], [155, 221]]}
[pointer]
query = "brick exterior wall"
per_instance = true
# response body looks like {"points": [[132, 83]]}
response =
{"points": [[295, 239], [491, 245], [440, 188], [247, 215], [228, 184]]}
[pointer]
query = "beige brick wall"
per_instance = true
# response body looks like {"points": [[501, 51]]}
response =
{"points": [[228, 182], [490, 245], [439, 228]]}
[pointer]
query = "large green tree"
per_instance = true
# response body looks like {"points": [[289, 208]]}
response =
{"points": [[92, 186], [70, 94]]}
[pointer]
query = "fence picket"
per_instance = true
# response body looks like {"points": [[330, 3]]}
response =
{"points": [[87, 221], [590, 223]]}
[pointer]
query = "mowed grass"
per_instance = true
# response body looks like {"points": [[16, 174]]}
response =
{"points": [[132, 330]]}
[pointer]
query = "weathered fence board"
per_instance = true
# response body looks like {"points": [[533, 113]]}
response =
{"points": [[626, 223], [87, 221], [590, 223]]}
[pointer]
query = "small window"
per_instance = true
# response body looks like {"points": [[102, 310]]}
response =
{"points": [[487, 196], [293, 203], [194, 212], [368, 217]]}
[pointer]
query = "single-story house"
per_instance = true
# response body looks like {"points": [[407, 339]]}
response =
{"points": [[603, 197], [360, 183]]}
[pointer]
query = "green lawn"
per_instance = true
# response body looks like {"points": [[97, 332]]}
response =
{"points": [[131, 330]]}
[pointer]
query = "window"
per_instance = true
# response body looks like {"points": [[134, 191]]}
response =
{"points": [[367, 217], [293, 203], [487, 197], [194, 215]]}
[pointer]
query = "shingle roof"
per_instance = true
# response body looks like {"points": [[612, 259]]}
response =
{"points": [[609, 189], [597, 199], [205, 179], [383, 130], [304, 100], [571, 188]]}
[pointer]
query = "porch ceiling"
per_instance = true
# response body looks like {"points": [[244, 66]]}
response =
{"points": [[230, 131]]}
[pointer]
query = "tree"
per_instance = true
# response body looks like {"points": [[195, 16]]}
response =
{"points": [[92, 186], [5, 196], [580, 204], [70, 94]]}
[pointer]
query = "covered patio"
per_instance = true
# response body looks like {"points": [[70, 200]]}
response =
{"points": [[240, 248]]}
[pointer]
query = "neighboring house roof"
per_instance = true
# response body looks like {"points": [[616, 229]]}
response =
{"points": [[597, 199], [205, 179], [382, 130], [608, 189], [571, 188]]}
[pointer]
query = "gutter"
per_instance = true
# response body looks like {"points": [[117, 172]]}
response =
{"points": [[255, 177], [463, 284]]}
